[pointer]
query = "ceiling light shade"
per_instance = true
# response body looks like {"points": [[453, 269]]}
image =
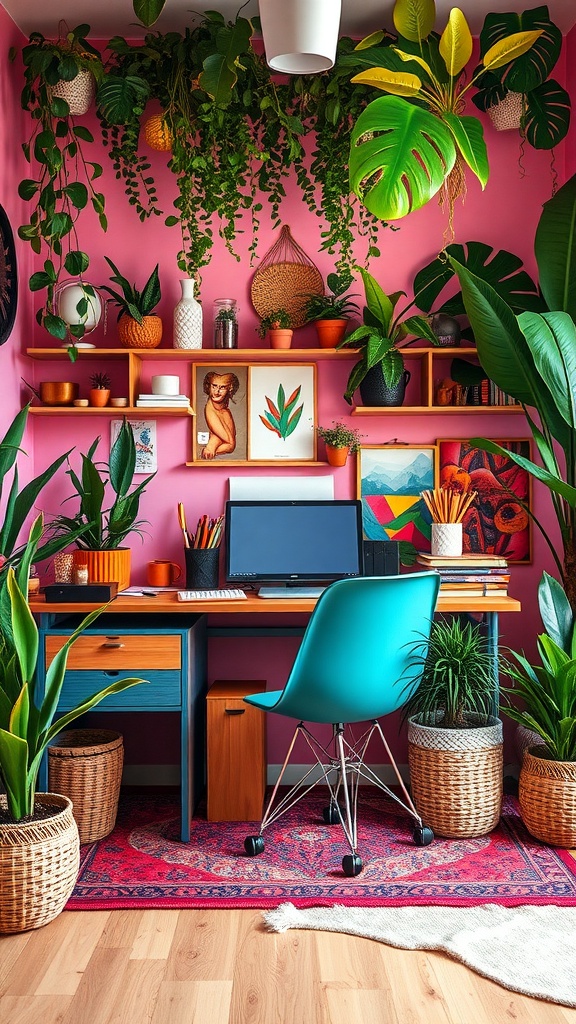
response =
{"points": [[300, 36]]}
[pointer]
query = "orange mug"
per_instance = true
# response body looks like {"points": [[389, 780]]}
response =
{"points": [[162, 573]]}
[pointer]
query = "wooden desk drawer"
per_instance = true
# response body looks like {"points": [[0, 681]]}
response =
{"points": [[115, 651], [161, 691]]}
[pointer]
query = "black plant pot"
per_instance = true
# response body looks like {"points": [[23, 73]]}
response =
{"points": [[374, 391]]}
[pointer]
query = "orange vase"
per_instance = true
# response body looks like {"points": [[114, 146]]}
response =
{"points": [[280, 337], [107, 566], [148, 334], [99, 397], [336, 456], [330, 332]]}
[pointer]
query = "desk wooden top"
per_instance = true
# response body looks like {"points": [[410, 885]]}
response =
{"points": [[169, 602]]}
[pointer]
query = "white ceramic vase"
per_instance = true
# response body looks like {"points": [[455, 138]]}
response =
{"points": [[187, 318], [446, 539]]}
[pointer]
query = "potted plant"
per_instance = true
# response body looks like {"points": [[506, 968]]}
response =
{"points": [[39, 844], [330, 313], [380, 372], [340, 440], [547, 785], [278, 326], [454, 740], [100, 529], [138, 325], [99, 393]]}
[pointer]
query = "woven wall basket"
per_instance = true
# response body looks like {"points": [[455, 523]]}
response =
{"points": [[506, 115], [285, 279], [86, 766], [547, 797], [39, 863], [456, 777]]}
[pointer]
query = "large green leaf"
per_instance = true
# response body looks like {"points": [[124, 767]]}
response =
{"points": [[553, 482], [123, 459], [400, 156], [502, 270], [414, 19], [24, 503], [533, 67], [119, 95], [552, 341], [555, 611], [547, 115], [377, 301], [555, 249], [469, 137], [148, 11]]}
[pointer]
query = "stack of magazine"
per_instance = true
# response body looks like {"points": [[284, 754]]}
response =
{"points": [[162, 402], [469, 575]]}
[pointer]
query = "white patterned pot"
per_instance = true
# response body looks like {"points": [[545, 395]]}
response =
{"points": [[187, 318], [446, 539]]}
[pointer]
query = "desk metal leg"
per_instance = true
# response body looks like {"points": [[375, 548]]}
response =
{"points": [[492, 640]]}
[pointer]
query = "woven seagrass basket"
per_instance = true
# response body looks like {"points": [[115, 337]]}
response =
{"points": [[86, 766], [285, 279], [78, 93], [547, 797], [507, 114], [456, 777], [39, 863]]}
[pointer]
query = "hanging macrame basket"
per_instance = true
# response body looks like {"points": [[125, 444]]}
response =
{"points": [[507, 114], [78, 93], [285, 280]]}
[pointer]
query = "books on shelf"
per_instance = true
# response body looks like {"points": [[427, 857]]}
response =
{"points": [[163, 401], [458, 591], [469, 575], [460, 561]]}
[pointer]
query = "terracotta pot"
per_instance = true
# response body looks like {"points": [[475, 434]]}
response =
{"points": [[336, 456], [99, 397], [330, 332], [148, 334], [106, 566], [280, 337]]}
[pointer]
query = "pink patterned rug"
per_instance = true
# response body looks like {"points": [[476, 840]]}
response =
{"points": [[143, 863]]}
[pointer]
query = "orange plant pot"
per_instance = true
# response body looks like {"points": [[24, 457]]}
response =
{"points": [[330, 332], [336, 456], [99, 397], [148, 334], [280, 337], [107, 566]]}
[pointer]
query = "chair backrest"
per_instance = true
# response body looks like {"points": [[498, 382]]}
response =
{"points": [[358, 656]]}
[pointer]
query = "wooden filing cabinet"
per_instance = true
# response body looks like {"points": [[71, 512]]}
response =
{"points": [[236, 742]]}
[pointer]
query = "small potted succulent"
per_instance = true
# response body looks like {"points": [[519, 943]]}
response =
{"points": [[340, 440], [138, 325], [331, 313], [278, 326], [100, 390]]}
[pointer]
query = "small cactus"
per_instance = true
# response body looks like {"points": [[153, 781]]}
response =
{"points": [[100, 381]]}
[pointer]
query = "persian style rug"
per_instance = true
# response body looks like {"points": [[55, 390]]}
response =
{"points": [[143, 863]]}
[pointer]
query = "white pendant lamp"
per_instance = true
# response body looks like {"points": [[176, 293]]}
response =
{"points": [[67, 296], [300, 36]]}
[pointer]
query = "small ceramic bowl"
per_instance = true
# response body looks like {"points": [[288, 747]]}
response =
{"points": [[118, 403], [80, 403]]}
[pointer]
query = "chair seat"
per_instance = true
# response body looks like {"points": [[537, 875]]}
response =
{"points": [[265, 701]]}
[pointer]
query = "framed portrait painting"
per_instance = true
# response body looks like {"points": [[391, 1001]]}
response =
{"points": [[497, 522], [390, 480], [221, 403]]}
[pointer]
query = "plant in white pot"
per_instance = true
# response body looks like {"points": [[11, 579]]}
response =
{"points": [[454, 739], [39, 845]]}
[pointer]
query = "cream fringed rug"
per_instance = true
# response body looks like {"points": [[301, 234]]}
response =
{"points": [[531, 950]]}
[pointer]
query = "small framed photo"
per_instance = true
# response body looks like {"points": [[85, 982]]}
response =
{"points": [[145, 440], [390, 480], [498, 521], [282, 413], [221, 422]]}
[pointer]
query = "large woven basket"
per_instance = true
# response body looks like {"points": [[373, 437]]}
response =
{"points": [[285, 280], [507, 113], [547, 797], [86, 765], [78, 93], [39, 863], [456, 777]]}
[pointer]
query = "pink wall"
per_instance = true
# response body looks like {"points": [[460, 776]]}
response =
{"points": [[505, 216]]}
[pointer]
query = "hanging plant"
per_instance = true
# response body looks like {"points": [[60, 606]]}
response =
{"points": [[64, 185]]}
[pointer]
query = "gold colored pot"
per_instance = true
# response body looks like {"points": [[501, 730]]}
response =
{"points": [[57, 392]]}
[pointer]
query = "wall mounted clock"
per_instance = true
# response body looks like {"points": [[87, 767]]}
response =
{"points": [[8, 278]]}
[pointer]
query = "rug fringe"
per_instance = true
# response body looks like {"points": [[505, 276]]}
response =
{"points": [[281, 918]]}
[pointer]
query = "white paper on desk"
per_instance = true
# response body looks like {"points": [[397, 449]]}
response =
{"points": [[142, 591], [282, 488]]}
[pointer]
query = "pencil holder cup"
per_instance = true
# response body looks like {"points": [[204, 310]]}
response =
{"points": [[202, 568], [446, 539]]}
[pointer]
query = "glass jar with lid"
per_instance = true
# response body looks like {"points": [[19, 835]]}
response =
{"points": [[225, 323]]}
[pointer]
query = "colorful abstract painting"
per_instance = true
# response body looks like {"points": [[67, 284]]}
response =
{"points": [[498, 522], [390, 480]]}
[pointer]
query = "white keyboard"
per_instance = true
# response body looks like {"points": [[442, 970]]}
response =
{"points": [[212, 595]]}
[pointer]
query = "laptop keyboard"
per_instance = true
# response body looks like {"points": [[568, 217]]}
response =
{"points": [[228, 594]]}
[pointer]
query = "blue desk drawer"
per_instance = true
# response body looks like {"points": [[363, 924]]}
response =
{"points": [[163, 690]]}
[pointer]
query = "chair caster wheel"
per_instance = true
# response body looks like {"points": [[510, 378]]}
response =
{"points": [[331, 815], [352, 865], [254, 845], [422, 835]]}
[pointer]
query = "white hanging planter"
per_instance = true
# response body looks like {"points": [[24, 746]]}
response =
{"points": [[300, 37]]}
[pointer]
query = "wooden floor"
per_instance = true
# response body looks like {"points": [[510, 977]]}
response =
{"points": [[222, 967]]}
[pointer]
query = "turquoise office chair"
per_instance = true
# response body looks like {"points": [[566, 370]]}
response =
{"points": [[357, 662]]}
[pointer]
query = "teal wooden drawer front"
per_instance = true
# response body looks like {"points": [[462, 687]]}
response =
{"points": [[162, 691]]}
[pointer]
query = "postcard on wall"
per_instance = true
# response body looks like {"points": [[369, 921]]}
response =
{"points": [[497, 522], [145, 440], [390, 481], [221, 401], [282, 413]]}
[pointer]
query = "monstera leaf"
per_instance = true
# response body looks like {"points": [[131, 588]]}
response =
{"points": [[533, 67], [502, 270], [547, 117], [400, 155]]}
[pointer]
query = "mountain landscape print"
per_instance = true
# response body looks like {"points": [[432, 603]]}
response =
{"points": [[391, 480]]}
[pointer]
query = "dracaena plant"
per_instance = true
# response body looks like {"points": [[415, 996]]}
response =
{"points": [[418, 141]]}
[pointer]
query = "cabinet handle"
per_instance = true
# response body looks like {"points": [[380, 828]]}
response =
{"points": [[234, 711], [112, 645]]}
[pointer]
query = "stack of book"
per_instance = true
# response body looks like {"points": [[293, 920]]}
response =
{"points": [[162, 401], [469, 575]]}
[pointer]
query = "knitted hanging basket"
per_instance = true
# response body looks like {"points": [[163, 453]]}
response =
{"points": [[507, 114], [285, 279]]}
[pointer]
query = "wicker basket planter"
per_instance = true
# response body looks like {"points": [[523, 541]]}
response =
{"points": [[38, 866], [78, 93], [547, 797], [456, 777], [86, 766], [148, 334]]}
